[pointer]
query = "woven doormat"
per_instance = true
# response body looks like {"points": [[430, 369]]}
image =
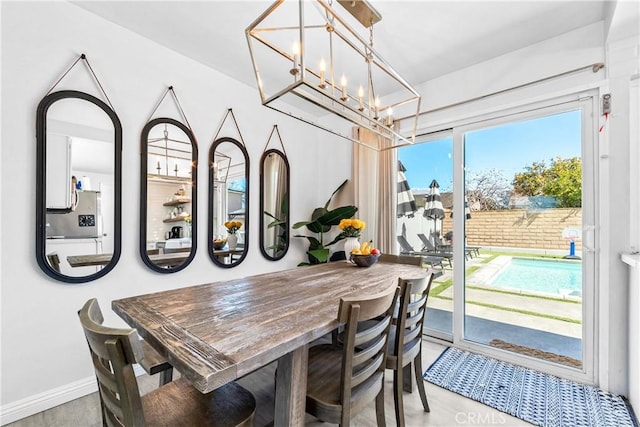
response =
{"points": [[532, 396], [553, 357]]}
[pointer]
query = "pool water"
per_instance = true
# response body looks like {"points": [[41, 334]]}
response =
{"points": [[551, 277]]}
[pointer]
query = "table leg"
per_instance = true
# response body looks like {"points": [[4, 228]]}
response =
{"points": [[291, 388]]}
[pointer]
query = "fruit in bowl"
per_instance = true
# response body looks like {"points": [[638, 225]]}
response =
{"points": [[366, 255], [219, 243], [365, 260]]}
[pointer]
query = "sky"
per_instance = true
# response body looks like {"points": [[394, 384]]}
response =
{"points": [[508, 148]]}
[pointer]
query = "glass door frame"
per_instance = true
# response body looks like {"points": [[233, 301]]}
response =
{"points": [[586, 102], [426, 138]]}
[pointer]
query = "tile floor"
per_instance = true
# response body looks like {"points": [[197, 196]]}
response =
{"points": [[447, 408]]}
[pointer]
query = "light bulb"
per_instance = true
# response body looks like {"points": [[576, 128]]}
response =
{"points": [[343, 83], [296, 58], [323, 67]]}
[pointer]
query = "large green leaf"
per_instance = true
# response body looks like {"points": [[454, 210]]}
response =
{"points": [[339, 237], [321, 255], [268, 214], [284, 204], [317, 226], [301, 224], [334, 217], [326, 205], [276, 223], [313, 242]]}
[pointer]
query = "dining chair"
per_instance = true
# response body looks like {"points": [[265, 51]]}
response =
{"points": [[115, 351], [343, 380], [54, 261], [405, 348], [405, 341], [176, 250], [414, 260]]}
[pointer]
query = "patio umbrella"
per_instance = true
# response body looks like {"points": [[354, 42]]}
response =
{"points": [[406, 201], [433, 204], [467, 210]]}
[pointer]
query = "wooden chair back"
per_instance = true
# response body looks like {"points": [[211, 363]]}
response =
{"points": [[402, 259], [54, 261], [364, 349], [409, 319], [114, 351], [176, 250]]}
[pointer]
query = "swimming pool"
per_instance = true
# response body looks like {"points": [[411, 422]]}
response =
{"points": [[538, 275]]}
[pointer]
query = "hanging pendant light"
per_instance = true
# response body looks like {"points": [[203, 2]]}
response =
{"points": [[312, 65]]}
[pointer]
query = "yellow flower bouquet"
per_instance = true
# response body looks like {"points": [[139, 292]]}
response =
{"points": [[232, 226], [351, 227]]}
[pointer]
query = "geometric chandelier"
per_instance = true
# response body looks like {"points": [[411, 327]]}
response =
{"points": [[309, 61]]}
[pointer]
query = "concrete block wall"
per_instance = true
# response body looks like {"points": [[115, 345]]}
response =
{"points": [[519, 228]]}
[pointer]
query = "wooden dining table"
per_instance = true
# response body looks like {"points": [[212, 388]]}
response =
{"points": [[218, 332], [170, 259]]}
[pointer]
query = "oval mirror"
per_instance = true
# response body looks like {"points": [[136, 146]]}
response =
{"points": [[274, 203], [79, 149], [228, 202], [168, 195]]}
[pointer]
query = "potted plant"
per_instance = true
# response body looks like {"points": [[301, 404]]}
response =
{"points": [[322, 219]]}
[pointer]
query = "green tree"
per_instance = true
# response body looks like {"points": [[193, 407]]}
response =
{"points": [[562, 179]]}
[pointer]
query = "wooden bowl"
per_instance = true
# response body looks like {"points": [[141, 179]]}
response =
{"points": [[365, 260], [219, 244]]}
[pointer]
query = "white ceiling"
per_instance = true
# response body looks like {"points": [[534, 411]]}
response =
{"points": [[422, 40]]}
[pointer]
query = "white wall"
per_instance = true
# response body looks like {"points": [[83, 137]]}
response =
{"points": [[44, 355]]}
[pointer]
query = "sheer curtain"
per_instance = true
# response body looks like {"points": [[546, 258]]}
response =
{"points": [[375, 188]]}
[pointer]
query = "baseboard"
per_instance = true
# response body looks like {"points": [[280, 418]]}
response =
{"points": [[41, 402], [49, 399]]}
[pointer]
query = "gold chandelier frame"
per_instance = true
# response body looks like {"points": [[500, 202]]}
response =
{"points": [[321, 87]]}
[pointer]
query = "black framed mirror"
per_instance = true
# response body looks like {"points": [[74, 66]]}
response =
{"points": [[274, 204], [78, 186], [168, 203], [228, 202]]}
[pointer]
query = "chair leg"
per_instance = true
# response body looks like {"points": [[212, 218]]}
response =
{"points": [[407, 379], [397, 398], [380, 418], [417, 363]]}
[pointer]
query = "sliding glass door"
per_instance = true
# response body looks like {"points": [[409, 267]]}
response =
{"points": [[523, 239], [512, 239]]}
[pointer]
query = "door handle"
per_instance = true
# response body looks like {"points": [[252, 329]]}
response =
{"points": [[588, 235]]}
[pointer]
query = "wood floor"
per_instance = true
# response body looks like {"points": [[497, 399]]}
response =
{"points": [[447, 409]]}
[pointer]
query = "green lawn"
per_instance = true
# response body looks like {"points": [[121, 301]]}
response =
{"points": [[441, 286]]}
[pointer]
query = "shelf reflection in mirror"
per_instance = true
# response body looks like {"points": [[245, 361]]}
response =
{"points": [[79, 140], [168, 203], [274, 205], [228, 202]]}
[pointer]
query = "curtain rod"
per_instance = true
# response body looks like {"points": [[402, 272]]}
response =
{"points": [[595, 67]]}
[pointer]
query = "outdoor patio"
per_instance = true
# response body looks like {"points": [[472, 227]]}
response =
{"points": [[516, 317]]}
